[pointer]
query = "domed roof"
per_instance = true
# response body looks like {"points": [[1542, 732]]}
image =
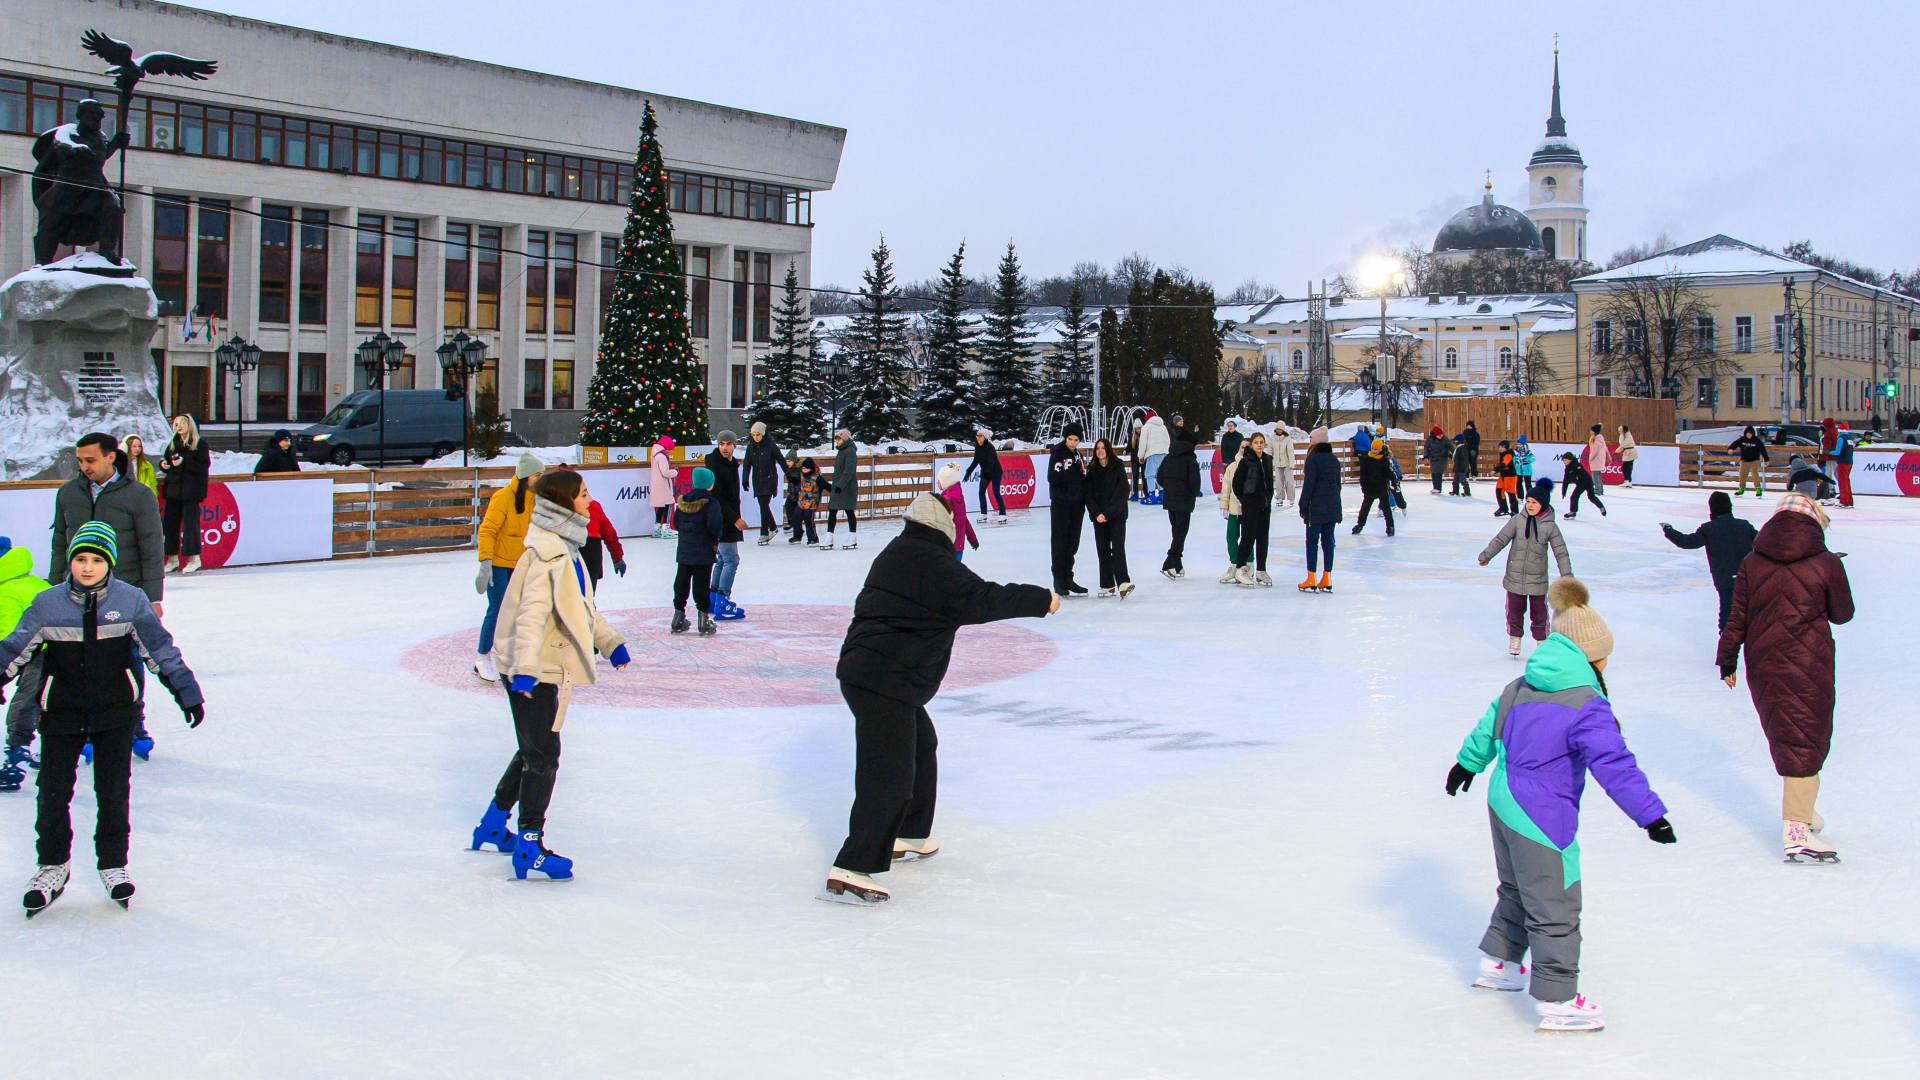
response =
{"points": [[1488, 226], [1556, 150]]}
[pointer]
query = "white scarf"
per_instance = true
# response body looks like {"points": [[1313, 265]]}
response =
{"points": [[569, 526]]}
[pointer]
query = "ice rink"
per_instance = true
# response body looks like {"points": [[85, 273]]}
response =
{"points": [[1197, 833]]}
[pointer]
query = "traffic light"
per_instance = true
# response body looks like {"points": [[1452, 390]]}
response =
{"points": [[1892, 389]]}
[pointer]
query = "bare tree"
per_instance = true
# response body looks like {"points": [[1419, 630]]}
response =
{"points": [[1657, 331], [1405, 383], [1634, 253], [1531, 373], [1250, 291]]}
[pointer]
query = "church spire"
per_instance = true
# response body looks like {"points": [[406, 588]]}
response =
{"points": [[1556, 124]]}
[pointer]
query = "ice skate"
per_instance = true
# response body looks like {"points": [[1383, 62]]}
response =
{"points": [[680, 624], [192, 565], [1106, 591], [669, 533], [493, 829], [848, 887], [1003, 519], [1243, 576], [852, 542], [119, 885], [1307, 585], [143, 745], [12, 776], [915, 850], [1801, 847], [793, 540], [765, 540], [725, 609], [531, 854], [825, 545], [1074, 588], [1170, 573], [1513, 647], [1581, 1013], [47, 885], [1506, 975], [23, 756], [1126, 589], [707, 628], [483, 668], [1263, 579], [1326, 582], [1389, 528], [1227, 578]]}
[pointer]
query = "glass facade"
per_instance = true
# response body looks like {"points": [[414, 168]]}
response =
{"points": [[276, 263], [457, 293], [313, 267], [210, 287], [369, 269]]}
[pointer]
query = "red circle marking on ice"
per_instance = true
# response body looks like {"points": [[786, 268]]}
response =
{"points": [[219, 525], [1018, 481], [781, 654]]}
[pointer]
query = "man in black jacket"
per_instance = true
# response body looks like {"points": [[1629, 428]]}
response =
{"points": [[726, 489], [763, 476], [1066, 491], [102, 493], [1728, 540], [1230, 443], [1180, 484], [278, 456], [916, 596]]}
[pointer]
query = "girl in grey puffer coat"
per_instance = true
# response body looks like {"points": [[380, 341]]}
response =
{"points": [[1530, 534]]}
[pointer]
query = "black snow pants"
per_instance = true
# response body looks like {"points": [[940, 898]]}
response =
{"points": [[530, 775], [1067, 519], [112, 793], [895, 778]]}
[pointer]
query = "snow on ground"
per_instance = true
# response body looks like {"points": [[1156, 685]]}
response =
{"points": [[1197, 833]]}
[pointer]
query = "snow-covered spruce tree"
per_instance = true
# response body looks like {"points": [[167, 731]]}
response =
{"points": [[878, 355], [1007, 401], [788, 403], [946, 385], [647, 379], [1070, 369]]}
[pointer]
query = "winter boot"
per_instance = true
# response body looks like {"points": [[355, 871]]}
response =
{"points": [[1501, 975], [848, 887], [119, 884], [1243, 576], [531, 853], [22, 755], [1581, 1013], [915, 850], [1801, 847], [680, 623], [483, 668], [1326, 582], [706, 624], [493, 829], [1513, 647], [47, 885], [143, 745], [1307, 585], [11, 776]]}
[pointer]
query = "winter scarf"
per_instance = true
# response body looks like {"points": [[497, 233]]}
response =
{"points": [[570, 527]]}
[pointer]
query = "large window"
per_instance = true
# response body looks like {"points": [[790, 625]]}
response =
{"points": [[311, 401], [276, 263], [536, 279], [609, 260], [1743, 333], [369, 269], [1603, 388], [1450, 359], [459, 253], [697, 264], [739, 296], [1299, 359], [270, 387], [1779, 332], [210, 285], [762, 296], [566, 252], [1743, 392], [1704, 393], [1506, 358], [1602, 336], [534, 386], [313, 267], [486, 293], [563, 384], [170, 253], [406, 271], [737, 386], [1703, 333]]}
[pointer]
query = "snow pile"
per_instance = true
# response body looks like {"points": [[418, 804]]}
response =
{"points": [[1713, 436], [548, 455]]}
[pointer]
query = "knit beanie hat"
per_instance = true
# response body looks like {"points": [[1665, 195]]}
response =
{"points": [[1719, 503], [97, 537], [703, 479], [1318, 435], [1542, 491], [1578, 623], [665, 442], [758, 428], [528, 465], [949, 476], [6, 544], [1073, 431]]}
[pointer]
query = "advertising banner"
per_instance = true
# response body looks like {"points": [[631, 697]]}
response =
{"points": [[632, 488], [1886, 472], [242, 524], [1657, 466]]}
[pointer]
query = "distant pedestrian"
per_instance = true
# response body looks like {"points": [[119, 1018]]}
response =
{"points": [[278, 455], [1754, 459], [1438, 450], [187, 464], [1230, 509], [1154, 444], [946, 484], [1523, 462], [696, 547], [1528, 538], [660, 486], [762, 477], [140, 468], [809, 499], [1575, 475], [1596, 456], [602, 540], [1464, 453], [1506, 482], [1230, 441], [726, 488], [502, 538], [1376, 484], [1284, 491], [1629, 453], [1253, 485], [1728, 541], [1471, 435]]}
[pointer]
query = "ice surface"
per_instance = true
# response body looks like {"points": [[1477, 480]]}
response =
{"points": [[1197, 833]]}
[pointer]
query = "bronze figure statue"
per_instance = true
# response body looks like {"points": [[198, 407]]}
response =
{"points": [[70, 189]]}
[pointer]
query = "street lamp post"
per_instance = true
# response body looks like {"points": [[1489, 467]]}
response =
{"points": [[462, 357], [379, 355], [241, 356], [1169, 368]]}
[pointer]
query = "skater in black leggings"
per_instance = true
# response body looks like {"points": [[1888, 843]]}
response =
{"points": [[1253, 485], [1580, 480], [986, 461]]}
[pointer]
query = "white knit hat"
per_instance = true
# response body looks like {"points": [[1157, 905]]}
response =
{"points": [[949, 475]]}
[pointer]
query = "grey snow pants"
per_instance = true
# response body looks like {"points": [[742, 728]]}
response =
{"points": [[1534, 912]]}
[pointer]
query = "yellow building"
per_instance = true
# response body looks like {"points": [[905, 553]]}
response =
{"points": [[1743, 354]]}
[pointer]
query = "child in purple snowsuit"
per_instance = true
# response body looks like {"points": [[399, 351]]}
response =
{"points": [[947, 486]]}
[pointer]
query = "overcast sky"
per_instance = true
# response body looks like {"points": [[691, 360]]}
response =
{"points": [[1265, 140]]}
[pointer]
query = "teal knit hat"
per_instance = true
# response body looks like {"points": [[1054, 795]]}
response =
{"points": [[703, 479], [97, 537]]}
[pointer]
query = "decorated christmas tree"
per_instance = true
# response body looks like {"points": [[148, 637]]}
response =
{"points": [[647, 379], [789, 403]]}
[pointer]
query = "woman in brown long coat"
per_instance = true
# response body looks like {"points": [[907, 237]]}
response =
{"points": [[1790, 592]]}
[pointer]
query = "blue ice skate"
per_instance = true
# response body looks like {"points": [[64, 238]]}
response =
{"points": [[493, 830], [143, 746], [725, 609], [531, 854], [86, 751], [22, 755]]}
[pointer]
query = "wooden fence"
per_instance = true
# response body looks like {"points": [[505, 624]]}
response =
{"points": [[1553, 417]]}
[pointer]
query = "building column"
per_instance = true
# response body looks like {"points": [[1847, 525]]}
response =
{"points": [[243, 290], [720, 325], [340, 291], [430, 292], [587, 306], [513, 317]]}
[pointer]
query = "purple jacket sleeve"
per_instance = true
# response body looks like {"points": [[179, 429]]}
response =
{"points": [[1596, 735]]}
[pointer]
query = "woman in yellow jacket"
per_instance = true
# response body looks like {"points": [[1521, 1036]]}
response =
{"points": [[554, 632], [503, 536], [140, 467]]}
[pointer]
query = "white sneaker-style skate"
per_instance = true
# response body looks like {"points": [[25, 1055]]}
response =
{"points": [[1506, 975], [1262, 579], [1513, 647], [1003, 519], [1581, 1013], [47, 885], [1243, 576], [1126, 589], [483, 668], [1105, 592], [905, 850], [193, 565], [1227, 578], [1170, 574], [848, 887], [118, 883], [825, 545], [1800, 846], [852, 542]]}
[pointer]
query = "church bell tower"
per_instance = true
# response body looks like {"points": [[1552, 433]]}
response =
{"points": [[1556, 183]]}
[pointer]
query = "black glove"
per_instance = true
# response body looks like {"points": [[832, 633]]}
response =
{"points": [[619, 568], [1727, 670], [1661, 833], [193, 714], [1459, 778]]}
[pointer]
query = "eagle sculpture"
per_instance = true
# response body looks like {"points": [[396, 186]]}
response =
{"points": [[127, 71]]}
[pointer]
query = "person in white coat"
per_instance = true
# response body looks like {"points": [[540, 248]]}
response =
{"points": [[1284, 493], [1155, 441]]}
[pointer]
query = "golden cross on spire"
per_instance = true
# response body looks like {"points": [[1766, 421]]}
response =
{"points": [[1489, 179]]}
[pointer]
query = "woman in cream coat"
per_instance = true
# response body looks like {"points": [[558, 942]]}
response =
{"points": [[550, 633]]}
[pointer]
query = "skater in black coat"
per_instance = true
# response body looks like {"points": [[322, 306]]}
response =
{"points": [[1576, 476], [1464, 453], [1253, 486], [1472, 437], [1728, 540], [1066, 492], [1376, 485], [986, 461], [1107, 491], [1320, 509], [1230, 443], [278, 456], [762, 476], [916, 596], [1180, 484]]}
